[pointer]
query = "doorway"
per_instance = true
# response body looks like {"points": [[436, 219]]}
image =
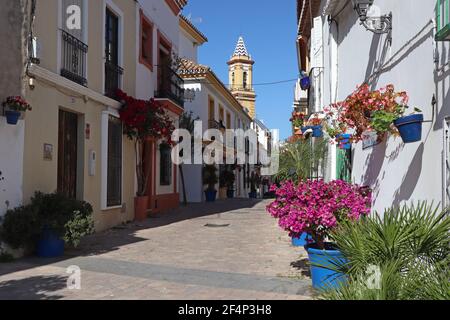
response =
{"points": [[67, 153]]}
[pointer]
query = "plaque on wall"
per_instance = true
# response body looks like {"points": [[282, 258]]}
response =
{"points": [[370, 139], [48, 152]]}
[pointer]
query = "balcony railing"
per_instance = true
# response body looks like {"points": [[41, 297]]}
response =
{"points": [[74, 54], [170, 86], [113, 78]]}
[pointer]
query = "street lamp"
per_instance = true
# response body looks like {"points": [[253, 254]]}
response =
{"points": [[377, 25]]}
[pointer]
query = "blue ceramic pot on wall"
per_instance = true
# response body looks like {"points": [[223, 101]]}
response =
{"points": [[320, 260], [50, 245], [344, 141], [317, 131], [410, 128], [12, 117]]}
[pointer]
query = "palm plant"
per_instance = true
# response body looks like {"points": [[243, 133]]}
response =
{"points": [[299, 160], [410, 248]]}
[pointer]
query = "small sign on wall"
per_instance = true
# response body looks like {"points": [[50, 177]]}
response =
{"points": [[48, 152], [87, 131], [370, 139]]}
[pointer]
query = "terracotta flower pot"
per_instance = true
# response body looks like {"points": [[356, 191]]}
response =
{"points": [[140, 208]]}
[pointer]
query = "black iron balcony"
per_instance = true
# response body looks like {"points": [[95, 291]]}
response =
{"points": [[170, 86], [113, 78], [74, 53]]}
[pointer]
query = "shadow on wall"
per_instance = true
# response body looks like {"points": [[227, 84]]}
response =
{"points": [[410, 180], [374, 164]]}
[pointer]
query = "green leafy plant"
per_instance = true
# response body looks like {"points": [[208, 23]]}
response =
{"points": [[299, 159], [210, 177], [410, 246], [68, 218], [228, 179]]}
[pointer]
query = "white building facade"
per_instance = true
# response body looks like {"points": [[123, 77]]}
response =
{"points": [[344, 55]]}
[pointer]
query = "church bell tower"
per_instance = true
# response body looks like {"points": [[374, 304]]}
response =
{"points": [[241, 77]]}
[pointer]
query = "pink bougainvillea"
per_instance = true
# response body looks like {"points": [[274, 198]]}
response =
{"points": [[316, 207]]}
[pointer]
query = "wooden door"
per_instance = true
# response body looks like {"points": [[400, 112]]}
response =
{"points": [[67, 153]]}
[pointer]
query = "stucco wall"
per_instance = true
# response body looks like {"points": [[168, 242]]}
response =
{"points": [[397, 172], [11, 83], [48, 98]]}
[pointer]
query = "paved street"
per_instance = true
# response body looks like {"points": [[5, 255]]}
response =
{"points": [[226, 250]]}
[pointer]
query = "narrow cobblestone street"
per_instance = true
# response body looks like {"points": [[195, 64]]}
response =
{"points": [[225, 250]]}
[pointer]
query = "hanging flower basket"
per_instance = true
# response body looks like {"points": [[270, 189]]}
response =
{"points": [[15, 106], [410, 128]]}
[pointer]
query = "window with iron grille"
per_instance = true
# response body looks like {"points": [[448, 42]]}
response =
{"points": [[165, 165], [73, 49], [146, 54], [114, 182], [443, 20], [113, 72]]}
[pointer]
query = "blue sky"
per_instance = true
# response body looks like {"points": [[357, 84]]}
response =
{"points": [[269, 31]]}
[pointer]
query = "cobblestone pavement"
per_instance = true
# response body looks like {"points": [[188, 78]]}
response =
{"points": [[226, 250]]}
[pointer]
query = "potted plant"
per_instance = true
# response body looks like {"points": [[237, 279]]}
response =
{"points": [[15, 105], [255, 181], [410, 127], [298, 120], [48, 224], [338, 132], [210, 179], [316, 125], [143, 120], [317, 208], [229, 179]]}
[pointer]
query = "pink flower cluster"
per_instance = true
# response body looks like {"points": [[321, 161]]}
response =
{"points": [[317, 207]]}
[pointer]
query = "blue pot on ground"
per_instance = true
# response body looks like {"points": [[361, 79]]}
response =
{"points": [[253, 195], [317, 131], [50, 245], [230, 194], [302, 241], [12, 117], [410, 128], [210, 195], [320, 260], [344, 141]]}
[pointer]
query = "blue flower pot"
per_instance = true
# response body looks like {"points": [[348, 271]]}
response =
{"points": [[323, 278], [210, 195], [253, 195], [302, 241], [317, 131], [50, 245], [344, 141], [230, 194], [305, 83], [12, 117], [410, 128], [304, 129]]}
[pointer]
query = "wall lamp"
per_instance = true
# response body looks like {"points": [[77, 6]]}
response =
{"points": [[377, 25]]}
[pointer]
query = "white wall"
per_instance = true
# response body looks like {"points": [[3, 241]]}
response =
{"points": [[11, 164], [397, 172], [188, 49], [164, 21]]}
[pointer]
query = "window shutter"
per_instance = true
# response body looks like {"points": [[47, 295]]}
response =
{"points": [[114, 193], [317, 61]]}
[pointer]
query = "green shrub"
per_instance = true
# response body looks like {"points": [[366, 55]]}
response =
{"points": [[409, 245], [70, 219]]}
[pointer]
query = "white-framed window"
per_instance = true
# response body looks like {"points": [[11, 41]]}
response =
{"points": [[112, 160]]}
